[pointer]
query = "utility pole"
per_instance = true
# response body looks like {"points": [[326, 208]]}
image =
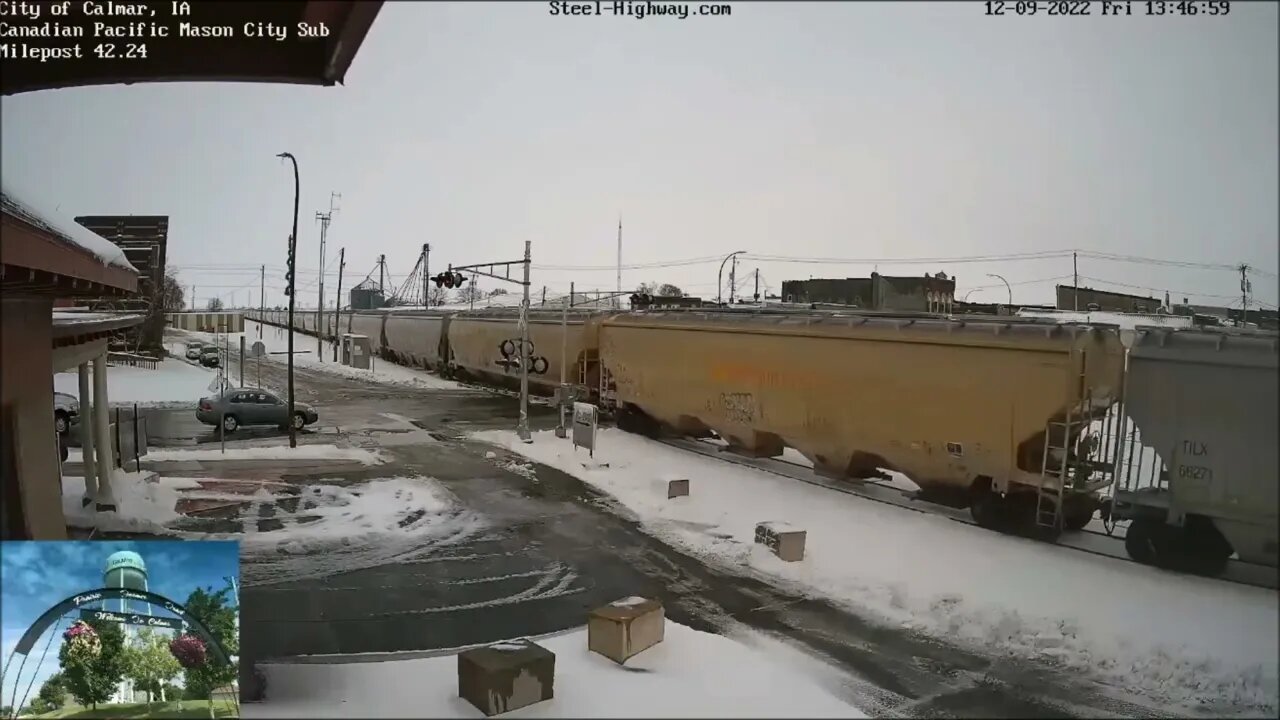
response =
{"points": [[617, 301], [262, 298], [544, 294], [733, 271], [382, 271], [561, 431], [324, 219], [1244, 294], [522, 430], [426, 275], [193, 297], [337, 307], [756, 296], [1075, 283]]}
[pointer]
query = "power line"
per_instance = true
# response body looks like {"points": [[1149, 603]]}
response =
{"points": [[1046, 255], [637, 266], [1155, 290]]}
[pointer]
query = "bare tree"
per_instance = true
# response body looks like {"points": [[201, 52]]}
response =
{"points": [[172, 298], [669, 290], [647, 288], [467, 293], [497, 291], [215, 304], [439, 295]]}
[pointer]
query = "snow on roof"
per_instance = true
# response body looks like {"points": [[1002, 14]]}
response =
{"points": [[1126, 321], [29, 206]]}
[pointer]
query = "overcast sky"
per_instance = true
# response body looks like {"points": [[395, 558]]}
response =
{"points": [[820, 130]]}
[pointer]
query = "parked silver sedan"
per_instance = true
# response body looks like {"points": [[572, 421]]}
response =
{"points": [[252, 406]]}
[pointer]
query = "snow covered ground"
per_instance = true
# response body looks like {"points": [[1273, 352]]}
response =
{"points": [[173, 382], [1174, 638], [141, 505], [276, 340], [312, 531], [322, 529], [689, 674]]}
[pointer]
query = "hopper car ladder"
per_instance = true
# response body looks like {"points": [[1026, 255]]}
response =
{"points": [[1073, 466]]}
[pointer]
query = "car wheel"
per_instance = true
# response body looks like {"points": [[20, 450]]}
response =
{"points": [[60, 422], [299, 421], [230, 423]]}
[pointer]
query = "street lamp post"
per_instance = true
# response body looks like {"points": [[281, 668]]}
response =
{"points": [[720, 274], [1006, 285], [293, 246]]}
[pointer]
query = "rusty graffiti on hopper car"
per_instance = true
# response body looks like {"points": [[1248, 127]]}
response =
{"points": [[737, 373], [738, 407]]}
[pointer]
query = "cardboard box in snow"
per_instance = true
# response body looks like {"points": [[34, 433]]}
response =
{"points": [[625, 628], [504, 676], [786, 541]]}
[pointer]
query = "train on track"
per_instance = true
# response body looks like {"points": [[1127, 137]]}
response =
{"points": [[1036, 426]]}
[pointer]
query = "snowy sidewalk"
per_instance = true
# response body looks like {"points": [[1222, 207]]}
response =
{"points": [[689, 674], [1174, 638]]}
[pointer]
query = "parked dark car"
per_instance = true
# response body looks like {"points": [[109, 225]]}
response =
{"points": [[66, 410], [209, 356], [252, 406]]}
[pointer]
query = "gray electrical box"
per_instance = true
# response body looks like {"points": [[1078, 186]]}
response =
{"points": [[356, 351]]}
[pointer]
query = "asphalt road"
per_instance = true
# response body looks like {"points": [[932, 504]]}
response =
{"points": [[556, 548]]}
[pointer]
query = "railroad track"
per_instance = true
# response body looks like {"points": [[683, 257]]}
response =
{"points": [[1087, 540]]}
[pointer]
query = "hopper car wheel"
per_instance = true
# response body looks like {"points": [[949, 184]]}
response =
{"points": [[1077, 517], [990, 510], [1141, 539]]}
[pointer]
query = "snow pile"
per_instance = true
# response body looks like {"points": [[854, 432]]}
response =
{"points": [[173, 382], [1175, 637], [326, 529], [32, 207], [144, 503], [689, 674], [381, 371], [269, 452]]}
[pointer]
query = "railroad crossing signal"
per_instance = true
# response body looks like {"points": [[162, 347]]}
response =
{"points": [[288, 274], [448, 279]]}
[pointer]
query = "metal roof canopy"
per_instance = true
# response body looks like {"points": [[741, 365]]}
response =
{"points": [[308, 61], [78, 324], [36, 262]]}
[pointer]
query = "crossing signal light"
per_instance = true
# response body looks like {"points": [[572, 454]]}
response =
{"points": [[448, 279]]}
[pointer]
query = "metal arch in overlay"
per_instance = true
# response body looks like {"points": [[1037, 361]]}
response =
{"points": [[78, 600]]}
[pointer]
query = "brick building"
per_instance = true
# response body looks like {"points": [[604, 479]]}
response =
{"points": [[1081, 298], [925, 293]]}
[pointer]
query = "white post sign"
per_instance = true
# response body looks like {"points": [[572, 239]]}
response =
{"points": [[585, 420]]}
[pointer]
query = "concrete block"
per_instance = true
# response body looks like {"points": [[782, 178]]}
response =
{"points": [[677, 488], [504, 676], [786, 541], [625, 628]]}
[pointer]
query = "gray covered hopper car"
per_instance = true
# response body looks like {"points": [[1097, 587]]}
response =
{"points": [[1205, 401]]}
